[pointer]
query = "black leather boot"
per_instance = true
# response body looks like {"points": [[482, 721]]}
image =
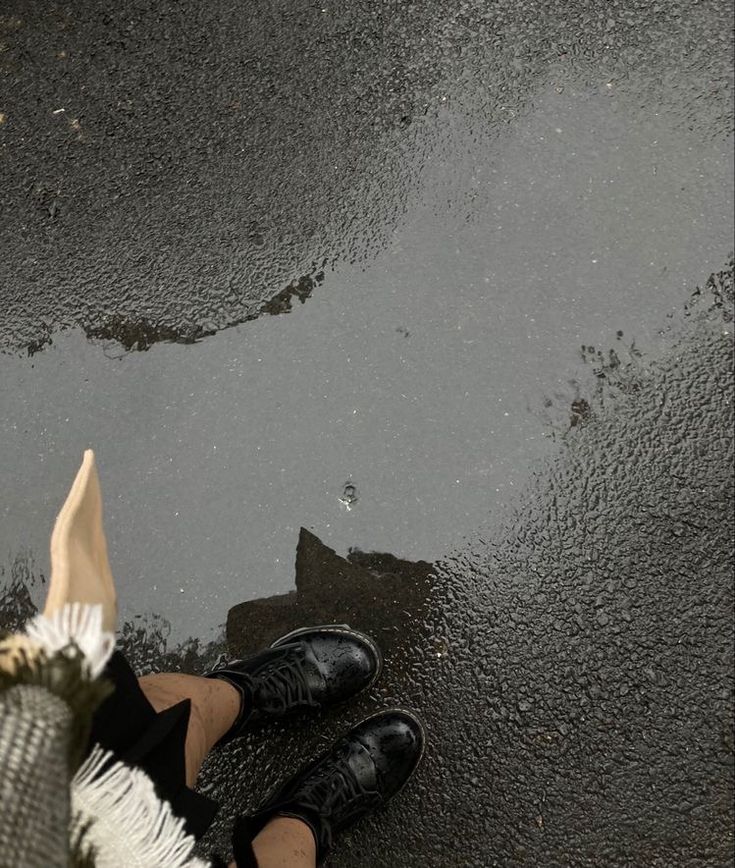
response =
{"points": [[360, 773], [307, 669]]}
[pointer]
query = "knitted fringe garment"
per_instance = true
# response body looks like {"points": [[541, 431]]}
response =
{"points": [[130, 825], [34, 778], [105, 812]]}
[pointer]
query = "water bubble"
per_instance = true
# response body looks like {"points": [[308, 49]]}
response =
{"points": [[349, 494]]}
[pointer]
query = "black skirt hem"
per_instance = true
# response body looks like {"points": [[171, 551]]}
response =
{"points": [[127, 725]]}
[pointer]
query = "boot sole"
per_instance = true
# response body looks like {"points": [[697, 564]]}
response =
{"points": [[342, 630]]}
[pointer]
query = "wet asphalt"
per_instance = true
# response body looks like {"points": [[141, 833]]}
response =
{"points": [[413, 316]]}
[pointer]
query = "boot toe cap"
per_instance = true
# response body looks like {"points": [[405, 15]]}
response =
{"points": [[351, 666], [395, 740], [346, 660]]}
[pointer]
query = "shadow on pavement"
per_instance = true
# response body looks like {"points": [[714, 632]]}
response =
{"points": [[376, 593]]}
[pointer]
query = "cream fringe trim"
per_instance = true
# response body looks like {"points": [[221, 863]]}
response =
{"points": [[76, 623], [113, 806], [129, 824]]}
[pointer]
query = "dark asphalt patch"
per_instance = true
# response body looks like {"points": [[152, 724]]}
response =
{"points": [[141, 334], [171, 167]]}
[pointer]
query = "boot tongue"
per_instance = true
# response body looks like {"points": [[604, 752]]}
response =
{"points": [[265, 699]]}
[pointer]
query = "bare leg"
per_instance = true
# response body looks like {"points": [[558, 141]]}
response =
{"points": [[215, 705], [285, 842]]}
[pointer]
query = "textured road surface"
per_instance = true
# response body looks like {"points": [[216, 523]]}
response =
{"points": [[169, 168], [418, 279]]}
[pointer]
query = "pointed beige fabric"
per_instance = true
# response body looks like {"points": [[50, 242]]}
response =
{"points": [[80, 570]]}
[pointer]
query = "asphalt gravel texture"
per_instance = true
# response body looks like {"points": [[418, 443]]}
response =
{"points": [[172, 167], [416, 316]]}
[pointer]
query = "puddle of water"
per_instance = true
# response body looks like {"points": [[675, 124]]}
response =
{"points": [[404, 399]]}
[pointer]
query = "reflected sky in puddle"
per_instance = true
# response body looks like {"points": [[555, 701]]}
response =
{"points": [[401, 402]]}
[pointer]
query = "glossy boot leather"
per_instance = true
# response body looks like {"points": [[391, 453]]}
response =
{"points": [[360, 773], [305, 670]]}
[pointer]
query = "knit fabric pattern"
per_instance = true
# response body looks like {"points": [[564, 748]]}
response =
{"points": [[35, 730]]}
